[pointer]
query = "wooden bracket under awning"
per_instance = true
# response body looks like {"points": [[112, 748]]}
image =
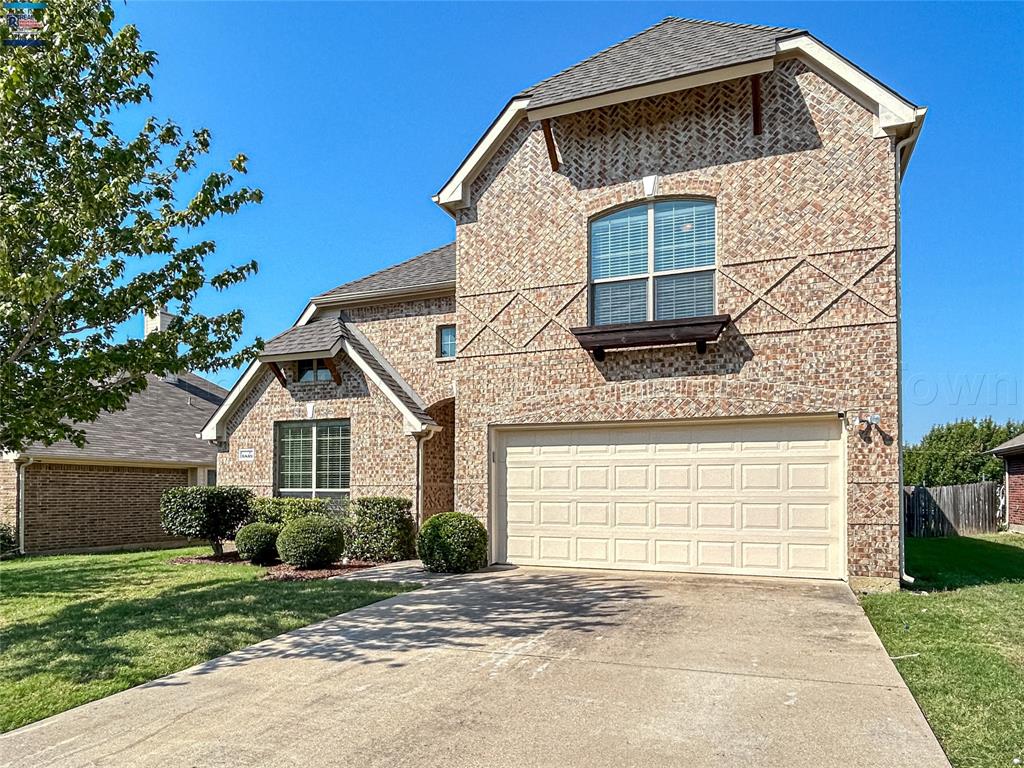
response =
{"points": [[755, 103], [549, 140], [276, 370], [331, 366]]}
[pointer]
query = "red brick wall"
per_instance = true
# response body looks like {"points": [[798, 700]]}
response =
{"points": [[8, 492], [1015, 490], [80, 506]]}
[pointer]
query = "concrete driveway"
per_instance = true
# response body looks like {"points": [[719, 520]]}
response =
{"points": [[528, 668]]}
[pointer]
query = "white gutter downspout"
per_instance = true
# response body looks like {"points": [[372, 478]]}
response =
{"points": [[20, 513], [421, 442], [905, 577]]}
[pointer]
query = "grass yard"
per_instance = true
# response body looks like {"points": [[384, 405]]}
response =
{"points": [[964, 643], [77, 628]]}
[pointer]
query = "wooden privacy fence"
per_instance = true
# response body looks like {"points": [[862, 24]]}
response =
{"points": [[952, 510]]}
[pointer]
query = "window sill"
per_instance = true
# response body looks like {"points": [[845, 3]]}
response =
{"points": [[657, 333], [445, 359]]}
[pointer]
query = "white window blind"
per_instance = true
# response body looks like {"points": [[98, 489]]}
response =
{"points": [[620, 302], [618, 244], [684, 234], [654, 261], [303, 446], [686, 295]]}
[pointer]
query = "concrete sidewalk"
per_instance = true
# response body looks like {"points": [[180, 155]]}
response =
{"points": [[528, 668]]}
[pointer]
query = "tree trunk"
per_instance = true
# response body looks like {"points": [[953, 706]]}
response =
{"points": [[218, 547]]}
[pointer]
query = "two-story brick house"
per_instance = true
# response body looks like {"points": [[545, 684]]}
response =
{"points": [[666, 335]]}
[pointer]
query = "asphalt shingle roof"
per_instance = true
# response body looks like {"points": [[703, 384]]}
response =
{"points": [[430, 268], [671, 48], [159, 425], [315, 339], [318, 337], [1011, 446]]}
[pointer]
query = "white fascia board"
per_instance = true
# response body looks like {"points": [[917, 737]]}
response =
{"points": [[453, 194], [894, 113], [212, 430], [413, 424], [653, 89], [375, 297]]}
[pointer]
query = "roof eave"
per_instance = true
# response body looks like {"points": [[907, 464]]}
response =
{"points": [[656, 88]]}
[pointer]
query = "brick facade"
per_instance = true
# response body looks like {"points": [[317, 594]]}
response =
{"points": [[806, 267], [384, 460], [81, 506], [1015, 492], [806, 253]]}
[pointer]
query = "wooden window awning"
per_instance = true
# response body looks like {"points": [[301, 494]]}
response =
{"points": [[659, 333]]}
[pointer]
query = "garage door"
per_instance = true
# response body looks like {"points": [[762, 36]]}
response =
{"points": [[761, 498]]}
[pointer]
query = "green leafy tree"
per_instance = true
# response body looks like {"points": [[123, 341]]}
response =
{"points": [[94, 230], [952, 454]]}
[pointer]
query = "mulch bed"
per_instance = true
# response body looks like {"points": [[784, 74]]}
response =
{"points": [[285, 572], [279, 572]]}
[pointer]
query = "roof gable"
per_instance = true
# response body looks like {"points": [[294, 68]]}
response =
{"points": [[671, 48], [675, 55]]}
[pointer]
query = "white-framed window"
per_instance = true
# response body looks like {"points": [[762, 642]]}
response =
{"points": [[313, 458], [312, 370], [446, 341], [653, 261]]}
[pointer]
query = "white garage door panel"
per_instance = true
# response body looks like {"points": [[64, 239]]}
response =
{"points": [[755, 499]]}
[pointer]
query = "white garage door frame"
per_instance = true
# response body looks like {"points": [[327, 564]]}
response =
{"points": [[497, 524]]}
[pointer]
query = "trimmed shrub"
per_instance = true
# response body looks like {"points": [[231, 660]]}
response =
{"points": [[257, 542], [8, 539], [280, 510], [452, 542], [311, 542], [381, 529], [211, 512]]}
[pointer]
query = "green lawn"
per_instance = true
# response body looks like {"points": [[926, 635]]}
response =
{"points": [[77, 628], [964, 641]]}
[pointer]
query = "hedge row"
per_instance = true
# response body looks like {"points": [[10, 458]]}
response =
{"points": [[309, 533]]}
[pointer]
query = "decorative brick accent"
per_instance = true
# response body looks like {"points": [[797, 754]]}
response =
{"points": [[81, 506], [1015, 492]]}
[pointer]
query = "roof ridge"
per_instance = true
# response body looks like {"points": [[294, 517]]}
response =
{"points": [[386, 269], [736, 24]]}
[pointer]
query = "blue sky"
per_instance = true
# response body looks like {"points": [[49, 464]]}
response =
{"points": [[353, 115]]}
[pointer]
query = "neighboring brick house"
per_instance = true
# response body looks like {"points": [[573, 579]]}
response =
{"points": [[675, 284], [1012, 454], [107, 494]]}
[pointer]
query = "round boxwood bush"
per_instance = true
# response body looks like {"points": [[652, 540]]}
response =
{"points": [[311, 542], [380, 529], [257, 542], [452, 542]]}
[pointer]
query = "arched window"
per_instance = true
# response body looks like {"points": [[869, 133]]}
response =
{"points": [[654, 261]]}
